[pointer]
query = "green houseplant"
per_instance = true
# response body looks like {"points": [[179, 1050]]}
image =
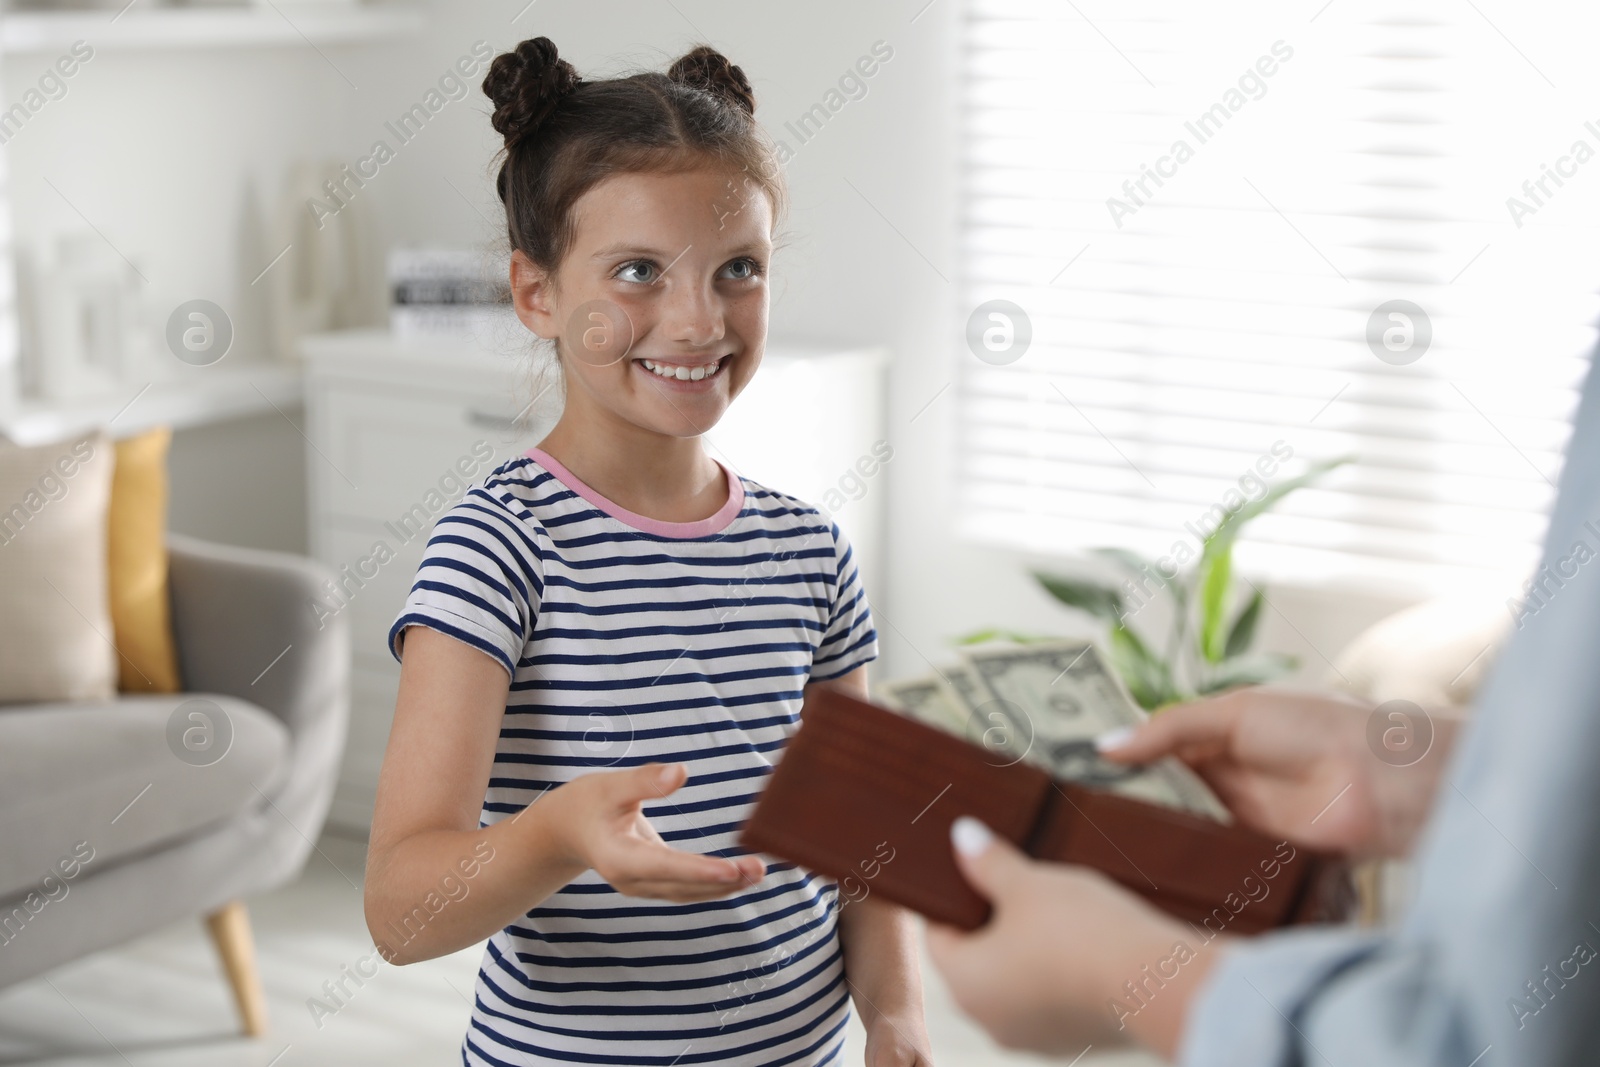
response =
{"points": [[1207, 646]]}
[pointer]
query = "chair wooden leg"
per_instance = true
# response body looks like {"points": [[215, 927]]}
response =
{"points": [[230, 932], [1368, 877]]}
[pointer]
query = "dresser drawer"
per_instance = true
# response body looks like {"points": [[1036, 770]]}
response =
{"points": [[368, 590], [388, 454]]}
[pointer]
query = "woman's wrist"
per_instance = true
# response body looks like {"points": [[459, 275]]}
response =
{"points": [[1404, 794], [1158, 1023]]}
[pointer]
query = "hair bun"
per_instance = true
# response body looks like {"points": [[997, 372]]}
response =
{"points": [[526, 84], [703, 67]]}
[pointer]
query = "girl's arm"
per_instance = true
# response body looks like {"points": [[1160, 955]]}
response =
{"points": [[437, 883], [880, 959]]}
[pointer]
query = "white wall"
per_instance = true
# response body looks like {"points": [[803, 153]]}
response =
{"points": [[163, 152], [873, 227], [176, 156]]}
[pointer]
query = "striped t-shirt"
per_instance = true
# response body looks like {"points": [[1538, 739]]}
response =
{"points": [[630, 640]]}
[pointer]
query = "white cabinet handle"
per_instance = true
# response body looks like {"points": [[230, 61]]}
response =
{"points": [[489, 420]]}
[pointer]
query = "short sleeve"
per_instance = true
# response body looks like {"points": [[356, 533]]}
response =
{"points": [[479, 581], [850, 640]]}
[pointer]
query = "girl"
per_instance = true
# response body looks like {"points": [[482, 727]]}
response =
{"points": [[608, 642]]}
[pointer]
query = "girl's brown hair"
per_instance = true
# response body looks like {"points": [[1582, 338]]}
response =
{"points": [[563, 135]]}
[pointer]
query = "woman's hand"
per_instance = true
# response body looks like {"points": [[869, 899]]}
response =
{"points": [[1298, 765], [604, 827], [1050, 969]]}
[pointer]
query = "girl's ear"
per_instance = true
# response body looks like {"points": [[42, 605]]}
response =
{"points": [[532, 296]]}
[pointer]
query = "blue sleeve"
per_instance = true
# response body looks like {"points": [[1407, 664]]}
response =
{"points": [[1495, 961], [850, 639], [479, 581]]}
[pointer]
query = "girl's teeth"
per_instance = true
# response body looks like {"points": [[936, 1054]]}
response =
{"points": [[683, 374]]}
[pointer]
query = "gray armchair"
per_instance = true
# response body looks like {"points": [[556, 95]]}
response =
{"points": [[119, 817]]}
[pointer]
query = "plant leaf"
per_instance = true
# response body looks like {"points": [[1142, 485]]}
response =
{"points": [[1146, 676], [1126, 558], [1227, 530], [1249, 670], [1216, 562], [1101, 601], [996, 634], [1216, 587], [1244, 628]]}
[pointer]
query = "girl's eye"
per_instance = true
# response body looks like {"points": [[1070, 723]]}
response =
{"points": [[744, 269], [638, 264], [645, 271]]}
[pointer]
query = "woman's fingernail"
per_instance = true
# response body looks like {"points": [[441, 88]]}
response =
{"points": [[1113, 738], [970, 836]]}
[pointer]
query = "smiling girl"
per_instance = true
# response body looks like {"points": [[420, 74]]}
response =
{"points": [[608, 642]]}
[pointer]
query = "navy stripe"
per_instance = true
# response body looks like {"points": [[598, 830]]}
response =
{"points": [[739, 1054], [672, 756], [764, 649], [767, 990], [688, 607], [676, 910], [597, 735], [433, 622], [685, 581], [661, 629], [543, 981], [677, 959], [729, 1025], [622, 936], [641, 708]]}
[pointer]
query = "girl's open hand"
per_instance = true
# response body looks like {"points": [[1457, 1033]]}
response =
{"points": [[605, 828]]}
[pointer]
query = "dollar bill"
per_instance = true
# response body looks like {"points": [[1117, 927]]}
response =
{"points": [[1047, 702], [925, 699], [966, 689]]}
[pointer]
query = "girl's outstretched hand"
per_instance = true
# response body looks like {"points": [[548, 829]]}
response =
{"points": [[603, 826]]}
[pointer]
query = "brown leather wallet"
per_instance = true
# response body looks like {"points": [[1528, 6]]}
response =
{"points": [[866, 796]]}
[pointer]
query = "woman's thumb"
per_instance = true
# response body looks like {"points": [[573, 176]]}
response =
{"points": [[989, 862]]}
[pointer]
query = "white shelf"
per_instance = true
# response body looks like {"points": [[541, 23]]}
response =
{"points": [[205, 395], [205, 27]]}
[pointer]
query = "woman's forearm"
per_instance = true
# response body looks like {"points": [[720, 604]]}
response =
{"points": [[437, 891]]}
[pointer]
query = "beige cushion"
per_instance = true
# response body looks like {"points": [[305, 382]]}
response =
{"points": [[55, 619], [1434, 654]]}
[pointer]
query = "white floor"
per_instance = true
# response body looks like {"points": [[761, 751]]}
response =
{"points": [[161, 1001]]}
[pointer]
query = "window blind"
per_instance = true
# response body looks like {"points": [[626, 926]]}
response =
{"points": [[10, 340], [1199, 217]]}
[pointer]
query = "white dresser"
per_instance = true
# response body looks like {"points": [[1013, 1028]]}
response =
{"points": [[396, 429]]}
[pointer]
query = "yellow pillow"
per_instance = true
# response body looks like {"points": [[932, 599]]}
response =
{"points": [[141, 619]]}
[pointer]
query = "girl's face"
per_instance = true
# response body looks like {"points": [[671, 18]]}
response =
{"points": [[661, 312]]}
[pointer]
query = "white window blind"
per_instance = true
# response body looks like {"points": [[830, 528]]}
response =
{"points": [[1228, 311], [10, 375]]}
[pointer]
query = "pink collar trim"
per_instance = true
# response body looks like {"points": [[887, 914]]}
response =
{"points": [[713, 524]]}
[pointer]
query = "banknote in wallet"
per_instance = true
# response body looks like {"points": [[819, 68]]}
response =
{"points": [[866, 796]]}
